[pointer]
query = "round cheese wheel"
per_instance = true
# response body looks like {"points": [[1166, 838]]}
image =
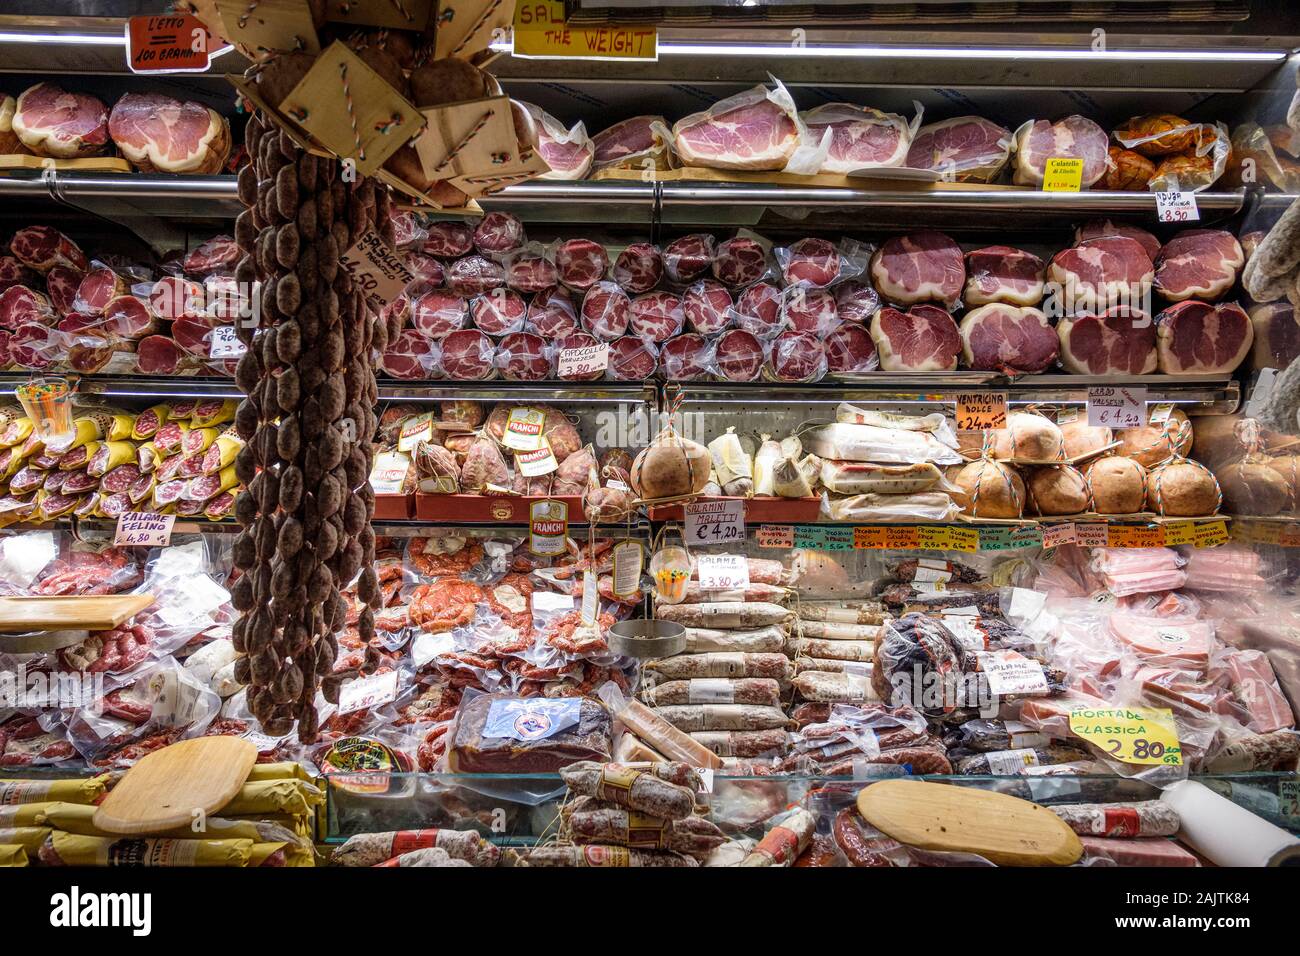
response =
{"points": [[1288, 466], [1057, 490], [990, 489], [1029, 437], [1118, 485], [1182, 489]]}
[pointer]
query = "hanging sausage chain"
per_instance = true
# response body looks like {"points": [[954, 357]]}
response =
{"points": [[307, 419]]}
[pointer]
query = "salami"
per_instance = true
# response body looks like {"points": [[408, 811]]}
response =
{"points": [[606, 311], [581, 263], [120, 478], [688, 258], [474, 275], [639, 267], [707, 305], [656, 316], [552, 313]]}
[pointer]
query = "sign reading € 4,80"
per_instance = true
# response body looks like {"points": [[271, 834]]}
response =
{"points": [[540, 31]]}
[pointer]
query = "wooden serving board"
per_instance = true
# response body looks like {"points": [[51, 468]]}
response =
{"points": [[1006, 830], [88, 612], [165, 788]]}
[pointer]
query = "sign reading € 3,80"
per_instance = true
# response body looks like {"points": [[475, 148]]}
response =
{"points": [[540, 31]]}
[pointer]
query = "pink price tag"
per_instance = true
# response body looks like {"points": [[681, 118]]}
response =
{"points": [[143, 529]]}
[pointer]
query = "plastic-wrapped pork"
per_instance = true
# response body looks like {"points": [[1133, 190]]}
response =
{"points": [[686, 666], [846, 441], [725, 614], [934, 423], [837, 650], [732, 464], [753, 592], [763, 640], [743, 743], [859, 477], [1147, 818], [699, 717], [926, 506], [834, 688], [763, 691], [871, 612], [769, 453], [835, 631]]}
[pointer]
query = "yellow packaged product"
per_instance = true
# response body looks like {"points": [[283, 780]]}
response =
{"points": [[81, 790], [15, 432], [207, 414], [72, 849], [24, 815], [29, 838], [275, 796], [12, 855], [149, 421], [287, 769]]}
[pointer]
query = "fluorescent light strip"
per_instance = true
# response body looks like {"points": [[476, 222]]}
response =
{"points": [[84, 39], [669, 48]]}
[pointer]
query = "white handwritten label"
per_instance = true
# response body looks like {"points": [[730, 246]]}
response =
{"points": [[715, 522], [549, 602], [1176, 207], [376, 268], [579, 363], [1010, 673], [225, 343], [722, 572], [362, 692], [1115, 407], [144, 529]]}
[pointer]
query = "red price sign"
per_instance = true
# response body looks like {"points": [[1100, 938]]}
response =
{"points": [[171, 43]]}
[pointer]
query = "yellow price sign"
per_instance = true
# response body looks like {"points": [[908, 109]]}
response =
{"points": [[1138, 735], [1063, 175], [901, 538], [1180, 532], [1136, 536], [540, 31], [1210, 534], [934, 539], [964, 539]]}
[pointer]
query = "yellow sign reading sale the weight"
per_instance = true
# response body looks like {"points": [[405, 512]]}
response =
{"points": [[1140, 735], [540, 31]]}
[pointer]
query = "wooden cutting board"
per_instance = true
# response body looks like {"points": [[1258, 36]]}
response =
{"points": [[165, 788], [88, 612], [1006, 830]]}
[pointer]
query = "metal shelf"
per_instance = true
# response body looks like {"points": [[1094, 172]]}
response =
{"points": [[1217, 394], [180, 386], [392, 529]]}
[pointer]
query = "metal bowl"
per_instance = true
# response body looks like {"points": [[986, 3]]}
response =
{"points": [[647, 638]]}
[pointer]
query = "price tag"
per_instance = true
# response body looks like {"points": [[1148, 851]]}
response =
{"points": [[964, 539], [1065, 416], [1289, 536], [715, 522], [629, 560], [1176, 207], [548, 527], [869, 537], [722, 572], [775, 536], [377, 269], [225, 344], [1180, 532], [1012, 673], [1136, 536], [1112, 407], [172, 43], [532, 464], [1137, 735], [1055, 535], [1160, 413], [144, 528], [579, 363], [1288, 792], [837, 539], [590, 597], [981, 411], [388, 474], [414, 430], [540, 32], [809, 536], [524, 429], [1092, 535], [362, 692], [1063, 175], [1009, 539], [1210, 534]]}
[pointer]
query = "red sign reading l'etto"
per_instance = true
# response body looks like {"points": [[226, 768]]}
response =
{"points": [[169, 43]]}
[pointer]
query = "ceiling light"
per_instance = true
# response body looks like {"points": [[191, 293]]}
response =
{"points": [[672, 48]]}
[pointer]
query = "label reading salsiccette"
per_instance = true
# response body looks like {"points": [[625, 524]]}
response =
{"points": [[376, 268]]}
